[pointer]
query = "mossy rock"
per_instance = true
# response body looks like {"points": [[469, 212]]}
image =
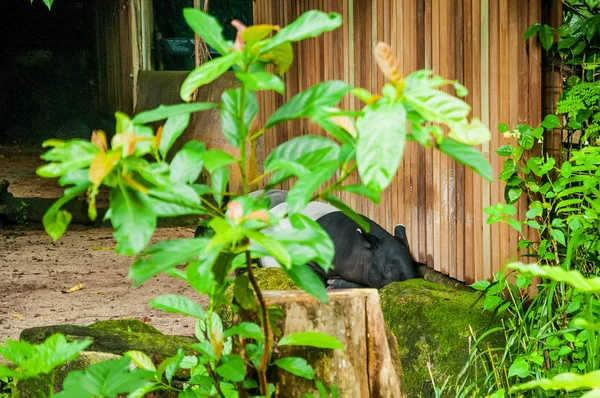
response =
{"points": [[125, 325], [431, 323], [267, 279]]}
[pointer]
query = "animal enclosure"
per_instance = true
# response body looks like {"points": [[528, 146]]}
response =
{"points": [[477, 42]]}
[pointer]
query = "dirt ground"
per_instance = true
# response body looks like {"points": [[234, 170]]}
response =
{"points": [[34, 270]]}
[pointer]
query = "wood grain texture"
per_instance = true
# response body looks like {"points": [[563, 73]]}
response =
{"points": [[477, 42], [364, 369]]}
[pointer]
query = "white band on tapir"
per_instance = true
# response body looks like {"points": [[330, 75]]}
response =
{"points": [[314, 211]]}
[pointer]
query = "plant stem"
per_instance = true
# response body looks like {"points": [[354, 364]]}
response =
{"points": [[345, 174], [215, 380], [262, 367]]}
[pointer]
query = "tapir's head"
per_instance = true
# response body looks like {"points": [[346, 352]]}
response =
{"points": [[391, 258]]}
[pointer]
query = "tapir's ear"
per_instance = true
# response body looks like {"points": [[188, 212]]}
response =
{"points": [[370, 240], [400, 234]]}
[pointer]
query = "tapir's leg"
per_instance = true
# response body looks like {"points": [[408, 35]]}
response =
{"points": [[343, 284]]}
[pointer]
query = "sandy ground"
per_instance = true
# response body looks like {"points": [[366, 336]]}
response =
{"points": [[34, 270]]}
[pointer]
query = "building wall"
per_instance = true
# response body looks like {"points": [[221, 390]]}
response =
{"points": [[479, 43]]}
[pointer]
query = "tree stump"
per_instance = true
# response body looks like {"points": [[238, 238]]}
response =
{"points": [[353, 316]]}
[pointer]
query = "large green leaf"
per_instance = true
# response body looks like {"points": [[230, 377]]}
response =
{"points": [[564, 381], [232, 368], [246, 330], [70, 156], [243, 293], [358, 189], [104, 379], [347, 210], [573, 278], [309, 151], [33, 360], [141, 360], [208, 28], [173, 128], [215, 159], [259, 81], [166, 111], [220, 179], [546, 36], [310, 102], [468, 156], [181, 195], [177, 304], [305, 241], [199, 274], [56, 221], [272, 246], [303, 276], [438, 106], [187, 164], [206, 73], [296, 366], [132, 219], [381, 139], [311, 339], [165, 255], [302, 191], [235, 129], [310, 24]]}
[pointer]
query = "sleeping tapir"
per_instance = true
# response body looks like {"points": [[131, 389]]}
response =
{"points": [[362, 259]]}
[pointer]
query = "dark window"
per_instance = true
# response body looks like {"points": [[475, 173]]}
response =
{"points": [[173, 40]]}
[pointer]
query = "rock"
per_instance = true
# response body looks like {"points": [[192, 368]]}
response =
{"points": [[125, 325], [112, 341], [431, 323]]}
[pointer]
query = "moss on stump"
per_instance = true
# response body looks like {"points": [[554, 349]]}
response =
{"points": [[431, 323], [268, 279]]}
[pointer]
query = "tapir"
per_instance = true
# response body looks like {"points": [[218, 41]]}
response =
{"points": [[362, 259]]}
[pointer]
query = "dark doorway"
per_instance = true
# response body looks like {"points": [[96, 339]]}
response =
{"points": [[47, 71]]}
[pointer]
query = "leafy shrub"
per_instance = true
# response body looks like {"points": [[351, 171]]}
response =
{"points": [[552, 312], [145, 186]]}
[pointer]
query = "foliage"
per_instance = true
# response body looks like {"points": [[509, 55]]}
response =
{"points": [[48, 3], [547, 334], [552, 335], [145, 186]]}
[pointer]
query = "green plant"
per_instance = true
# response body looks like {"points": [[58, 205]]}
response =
{"points": [[145, 186], [6, 386], [543, 336], [48, 3], [21, 216], [33, 360]]}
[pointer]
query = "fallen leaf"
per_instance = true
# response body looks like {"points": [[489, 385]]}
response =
{"points": [[18, 316], [74, 288], [101, 248]]}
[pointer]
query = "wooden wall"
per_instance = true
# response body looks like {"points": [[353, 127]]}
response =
{"points": [[114, 55], [478, 42]]}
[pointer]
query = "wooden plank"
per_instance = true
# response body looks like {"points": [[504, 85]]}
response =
{"points": [[485, 117]]}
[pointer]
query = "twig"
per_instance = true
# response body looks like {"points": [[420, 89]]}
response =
{"points": [[262, 367]]}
